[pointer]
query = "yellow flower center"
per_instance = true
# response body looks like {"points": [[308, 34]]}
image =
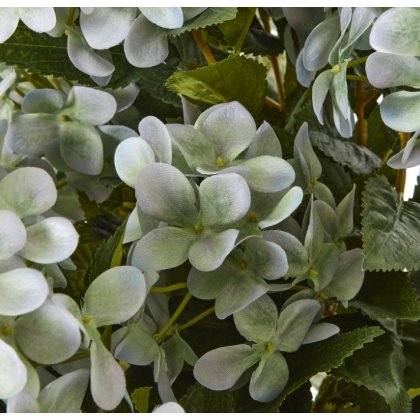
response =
{"points": [[252, 217], [243, 265], [220, 163], [269, 347], [198, 228], [86, 319], [7, 330], [336, 69]]}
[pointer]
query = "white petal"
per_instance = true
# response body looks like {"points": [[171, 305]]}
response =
{"points": [[157, 135], [265, 143], [39, 19], [131, 155], [106, 27], [22, 290], [9, 19], [52, 240], [165, 17], [209, 252], [169, 407], [115, 296], [13, 374], [320, 332], [12, 234], [48, 335], [27, 191], [146, 45], [224, 199]]}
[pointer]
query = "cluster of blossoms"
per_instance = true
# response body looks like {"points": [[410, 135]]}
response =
{"points": [[257, 235]]}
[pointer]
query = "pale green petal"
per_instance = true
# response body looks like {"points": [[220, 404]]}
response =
{"points": [[65, 394], [266, 259], [266, 142], [257, 322], [224, 199], [165, 17], [52, 240], [9, 18], [106, 27], [284, 208], [238, 293], [132, 229], [22, 290], [344, 213], [169, 407], [229, 127], [348, 278], [207, 285], [115, 296], [85, 58], [390, 70], [401, 111], [269, 173], [325, 265], [130, 156], [193, 144], [297, 258], [163, 192], [162, 248], [47, 101], [190, 12], [81, 147], [107, 380], [294, 323], [409, 156], [157, 136], [23, 402], [397, 31], [146, 45], [270, 377], [320, 90], [209, 252], [320, 332], [48, 335], [91, 106], [12, 234], [13, 374], [221, 368], [31, 133], [39, 19], [138, 348]]}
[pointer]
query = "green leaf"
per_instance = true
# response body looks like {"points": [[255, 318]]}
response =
{"points": [[409, 334], [140, 398], [299, 401], [359, 159], [236, 78], [390, 228], [232, 29], [202, 400], [388, 295], [324, 356], [379, 366], [108, 254], [211, 16]]}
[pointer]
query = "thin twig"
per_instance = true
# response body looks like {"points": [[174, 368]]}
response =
{"points": [[204, 48]]}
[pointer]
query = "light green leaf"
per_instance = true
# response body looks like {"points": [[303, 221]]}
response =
{"points": [[140, 398], [223, 82], [390, 228], [379, 366], [211, 16]]}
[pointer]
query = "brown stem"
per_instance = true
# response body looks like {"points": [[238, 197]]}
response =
{"points": [[401, 173], [273, 104], [360, 111], [265, 20], [204, 48]]}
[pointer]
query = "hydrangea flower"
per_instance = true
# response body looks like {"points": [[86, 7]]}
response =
{"points": [[63, 128], [218, 138], [200, 230], [24, 194], [271, 334]]}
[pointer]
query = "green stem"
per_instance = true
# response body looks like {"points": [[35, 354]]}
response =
{"points": [[71, 16], [168, 289], [79, 356], [356, 77], [202, 45], [196, 319], [159, 336], [245, 30], [357, 61]]}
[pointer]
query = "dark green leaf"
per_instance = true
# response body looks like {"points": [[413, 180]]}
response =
{"points": [[409, 334], [359, 159], [324, 356], [379, 366], [202, 400], [299, 401], [140, 398], [211, 16], [235, 79], [391, 228], [388, 295], [232, 29]]}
